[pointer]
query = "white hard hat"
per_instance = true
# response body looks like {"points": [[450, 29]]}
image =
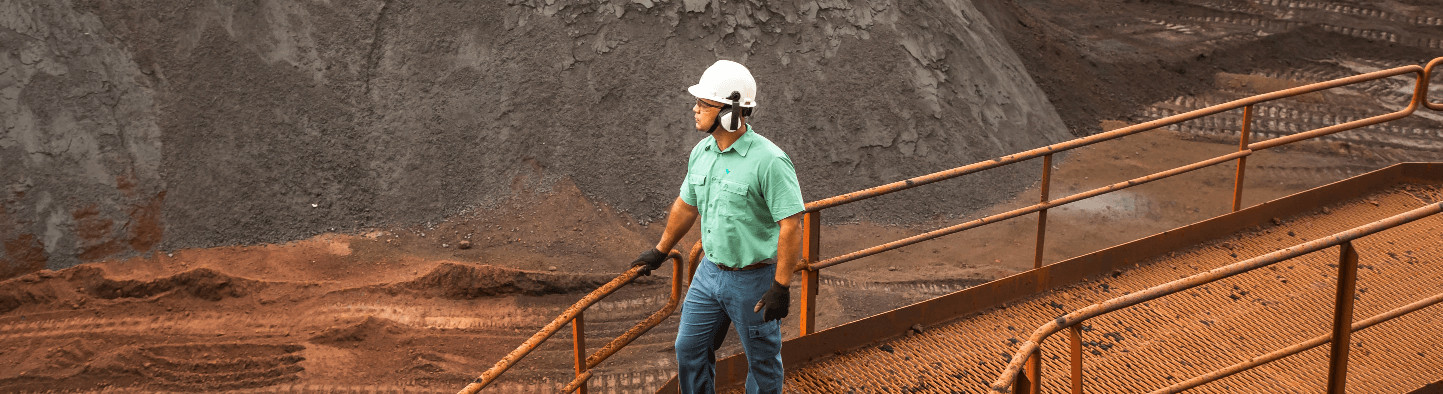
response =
{"points": [[723, 78]]}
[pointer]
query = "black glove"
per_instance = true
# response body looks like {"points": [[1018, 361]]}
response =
{"points": [[651, 259], [775, 302]]}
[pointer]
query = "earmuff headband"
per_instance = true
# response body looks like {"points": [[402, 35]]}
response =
{"points": [[735, 109]]}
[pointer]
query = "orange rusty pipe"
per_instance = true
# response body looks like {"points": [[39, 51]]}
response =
{"points": [[550, 329], [578, 383], [1001, 385], [1428, 79], [693, 258], [1298, 348], [1243, 136], [1022, 211], [1042, 215], [1343, 318], [578, 348], [1075, 339], [645, 325], [1118, 133], [811, 250], [1419, 93]]}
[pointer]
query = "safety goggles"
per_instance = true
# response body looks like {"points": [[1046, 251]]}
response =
{"points": [[704, 104]]}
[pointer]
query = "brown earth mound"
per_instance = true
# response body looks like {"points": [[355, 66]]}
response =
{"points": [[369, 329], [48, 286], [460, 282]]}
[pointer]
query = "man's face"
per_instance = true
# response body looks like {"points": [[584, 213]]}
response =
{"points": [[704, 112]]}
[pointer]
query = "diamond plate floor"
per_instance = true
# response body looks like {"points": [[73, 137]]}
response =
{"points": [[1173, 338]]}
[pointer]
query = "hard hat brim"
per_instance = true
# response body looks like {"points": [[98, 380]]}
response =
{"points": [[701, 92]]}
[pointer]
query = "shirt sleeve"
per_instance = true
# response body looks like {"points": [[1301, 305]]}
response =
{"points": [[688, 194], [783, 192]]}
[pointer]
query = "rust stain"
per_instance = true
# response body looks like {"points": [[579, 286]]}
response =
{"points": [[146, 229], [93, 233], [126, 184], [23, 255]]}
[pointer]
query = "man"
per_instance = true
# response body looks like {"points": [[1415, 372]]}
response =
{"points": [[745, 190]]}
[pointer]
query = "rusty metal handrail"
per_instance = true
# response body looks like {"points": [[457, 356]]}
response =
{"points": [[574, 315], [1026, 210], [1029, 353], [1110, 135], [811, 253], [1428, 79]]}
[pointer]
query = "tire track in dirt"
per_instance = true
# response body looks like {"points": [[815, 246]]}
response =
{"points": [[212, 366], [1353, 9], [234, 364], [1281, 118], [645, 381], [1273, 22]]}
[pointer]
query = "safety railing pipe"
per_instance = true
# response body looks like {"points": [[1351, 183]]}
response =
{"points": [[1342, 318], [1030, 382], [550, 329], [1105, 136], [693, 259], [1243, 135], [1427, 80], [1023, 211], [642, 327], [578, 384], [1419, 95], [811, 277], [578, 348], [1067, 320], [1042, 214], [1075, 339], [1298, 348]]}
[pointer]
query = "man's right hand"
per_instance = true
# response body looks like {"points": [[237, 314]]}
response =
{"points": [[650, 259]]}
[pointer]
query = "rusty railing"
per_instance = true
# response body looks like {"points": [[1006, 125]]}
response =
{"points": [[811, 255], [812, 262], [1029, 354], [575, 316]]}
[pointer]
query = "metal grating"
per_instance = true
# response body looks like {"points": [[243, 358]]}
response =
{"points": [[1187, 334]]}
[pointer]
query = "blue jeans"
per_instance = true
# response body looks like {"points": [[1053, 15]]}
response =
{"points": [[717, 299]]}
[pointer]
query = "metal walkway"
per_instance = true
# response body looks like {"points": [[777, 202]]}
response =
{"points": [[1191, 333]]}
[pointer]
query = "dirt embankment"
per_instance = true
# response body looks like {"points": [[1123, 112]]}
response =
{"points": [[145, 125]]}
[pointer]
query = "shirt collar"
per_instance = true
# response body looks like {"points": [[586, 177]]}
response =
{"points": [[742, 145]]}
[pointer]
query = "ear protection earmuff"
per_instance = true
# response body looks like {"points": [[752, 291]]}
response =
{"points": [[727, 115]]}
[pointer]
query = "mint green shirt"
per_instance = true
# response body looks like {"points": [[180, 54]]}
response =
{"points": [[741, 193]]}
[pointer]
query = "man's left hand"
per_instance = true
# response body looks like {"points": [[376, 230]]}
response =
{"points": [[775, 302]]}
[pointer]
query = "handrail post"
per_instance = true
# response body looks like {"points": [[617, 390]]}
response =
{"points": [[1042, 214], [1343, 318], [811, 247], [1076, 339], [1243, 138], [1030, 380], [578, 336]]}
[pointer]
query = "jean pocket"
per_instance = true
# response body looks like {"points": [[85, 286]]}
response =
{"points": [[764, 329]]}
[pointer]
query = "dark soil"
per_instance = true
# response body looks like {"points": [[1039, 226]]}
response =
{"points": [[158, 125]]}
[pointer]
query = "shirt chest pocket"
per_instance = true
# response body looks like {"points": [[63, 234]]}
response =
{"points": [[732, 201]]}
